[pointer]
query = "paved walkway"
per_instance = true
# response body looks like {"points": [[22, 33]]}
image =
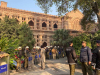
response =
{"points": [[53, 67]]}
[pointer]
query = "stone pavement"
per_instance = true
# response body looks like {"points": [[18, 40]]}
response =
{"points": [[53, 67]]}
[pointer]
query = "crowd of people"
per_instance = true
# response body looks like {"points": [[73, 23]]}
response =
{"points": [[89, 60], [37, 55]]}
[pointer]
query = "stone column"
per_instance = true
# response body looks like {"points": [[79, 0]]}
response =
{"points": [[48, 40], [35, 36], [40, 24], [40, 40], [52, 25], [35, 24], [47, 25]]}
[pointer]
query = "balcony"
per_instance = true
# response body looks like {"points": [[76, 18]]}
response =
{"points": [[31, 27], [44, 28], [55, 29]]}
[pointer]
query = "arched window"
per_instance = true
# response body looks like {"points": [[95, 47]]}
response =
{"points": [[44, 24], [31, 23], [55, 26]]}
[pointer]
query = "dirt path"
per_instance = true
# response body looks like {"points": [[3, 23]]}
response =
{"points": [[53, 67]]}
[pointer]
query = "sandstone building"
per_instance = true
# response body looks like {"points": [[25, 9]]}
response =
{"points": [[43, 25]]}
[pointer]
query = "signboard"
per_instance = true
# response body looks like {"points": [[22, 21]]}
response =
{"points": [[3, 68]]}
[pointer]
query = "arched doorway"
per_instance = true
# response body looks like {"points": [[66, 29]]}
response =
{"points": [[31, 23], [44, 44]]}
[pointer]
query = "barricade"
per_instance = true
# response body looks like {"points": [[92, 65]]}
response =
{"points": [[4, 64]]}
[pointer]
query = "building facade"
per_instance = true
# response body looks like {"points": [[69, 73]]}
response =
{"points": [[44, 25]]}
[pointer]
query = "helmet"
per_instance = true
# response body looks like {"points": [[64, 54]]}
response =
{"points": [[27, 47]]}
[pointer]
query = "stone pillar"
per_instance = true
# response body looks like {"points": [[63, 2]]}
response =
{"points": [[40, 40], [47, 25], [40, 24], [48, 40], [35, 36], [35, 24], [52, 25]]}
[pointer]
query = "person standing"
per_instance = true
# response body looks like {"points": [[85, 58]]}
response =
{"points": [[18, 58], [42, 55], [85, 59], [27, 55], [54, 51], [96, 58], [72, 58], [33, 52]]}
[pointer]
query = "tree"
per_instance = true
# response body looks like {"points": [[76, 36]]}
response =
{"points": [[25, 36], [61, 38], [8, 27], [90, 8], [77, 41]]}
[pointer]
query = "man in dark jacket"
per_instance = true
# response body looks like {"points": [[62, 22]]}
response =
{"points": [[96, 58], [72, 58], [85, 59]]}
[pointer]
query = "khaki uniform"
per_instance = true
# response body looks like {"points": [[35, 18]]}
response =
{"points": [[27, 54], [86, 68], [42, 58], [54, 51], [33, 55], [18, 59]]}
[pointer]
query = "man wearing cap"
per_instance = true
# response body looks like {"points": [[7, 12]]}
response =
{"points": [[96, 58], [27, 55], [18, 58], [85, 59], [72, 58]]}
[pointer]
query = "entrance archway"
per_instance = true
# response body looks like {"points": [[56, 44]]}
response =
{"points": [[44, 44]]}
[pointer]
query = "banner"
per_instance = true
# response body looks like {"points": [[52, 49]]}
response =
{"points": [[3, 68]]}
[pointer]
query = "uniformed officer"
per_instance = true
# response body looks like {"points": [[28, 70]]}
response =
{"points": [[33, 54], [18, 58], [27, 55], [85, 59], [96, 58], [71, 57], [42, 54], [54, 51]]}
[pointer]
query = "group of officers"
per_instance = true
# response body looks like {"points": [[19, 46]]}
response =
{"points": [[36, 55], [90, 61]]}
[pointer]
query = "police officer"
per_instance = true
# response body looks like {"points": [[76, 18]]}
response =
{"points": [[54, 51], [18, 59], [96, 58], [42, 58], [33, 54], [27, 55], [85, 59], [72, 58]]}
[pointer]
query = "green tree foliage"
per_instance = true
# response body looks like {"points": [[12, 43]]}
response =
{"points": [[61, 38], [90, 8], [77, 41], [25, 36], [8, 27]]}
